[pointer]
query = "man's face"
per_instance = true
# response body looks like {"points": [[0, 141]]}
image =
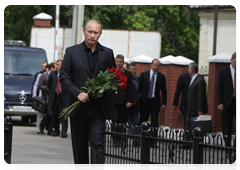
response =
{"points": [[119, 62], [155, 65], [58, 65], [44, 66], [92, 33], [233, 63], [133, 70], [190, 71]]}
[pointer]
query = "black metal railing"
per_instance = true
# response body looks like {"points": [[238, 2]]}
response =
{"points": [[8, 129], [145, 145]]}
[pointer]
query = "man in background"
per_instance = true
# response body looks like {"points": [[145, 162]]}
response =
{"points": [[151, 83], [226, 97], [182, 85]]}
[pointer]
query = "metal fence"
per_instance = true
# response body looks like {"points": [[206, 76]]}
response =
{"points": [[135, 145], [8, 129]]}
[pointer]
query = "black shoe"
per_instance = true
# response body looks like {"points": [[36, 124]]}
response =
{"points": [[41, 130], [50, 133], [54, 134], [64, 135]]}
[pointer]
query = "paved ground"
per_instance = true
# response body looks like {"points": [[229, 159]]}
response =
{"points": [[31, 151]]}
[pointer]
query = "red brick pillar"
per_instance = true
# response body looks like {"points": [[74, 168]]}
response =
{"points": [[169, 117], [212, 95]]}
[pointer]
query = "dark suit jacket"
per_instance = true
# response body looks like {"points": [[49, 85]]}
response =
{"points": [[135, 91], [144, 83], [196, 97], [121, 96], [52, 85], [224, 87], [75, 70], [182, 85]]}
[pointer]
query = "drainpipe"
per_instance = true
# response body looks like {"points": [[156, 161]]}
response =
{"points": [[215, 29]]}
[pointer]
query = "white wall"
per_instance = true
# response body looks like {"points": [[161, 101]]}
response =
{"points": [[128, 43], [226, 35]]}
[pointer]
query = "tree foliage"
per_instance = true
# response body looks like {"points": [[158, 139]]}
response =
{"points": [[179, 20]]}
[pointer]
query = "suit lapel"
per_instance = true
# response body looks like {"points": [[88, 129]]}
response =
{"points": [[193, 83], [83, 57]]}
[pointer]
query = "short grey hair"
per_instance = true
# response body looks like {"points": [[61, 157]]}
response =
{"points": [[85, 25], [194, 67]]}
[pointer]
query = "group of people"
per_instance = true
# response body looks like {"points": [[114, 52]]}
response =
{"points": [[142, 95], [46, 85]]}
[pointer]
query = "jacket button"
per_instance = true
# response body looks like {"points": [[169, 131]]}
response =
{"points": [[116, 92]]}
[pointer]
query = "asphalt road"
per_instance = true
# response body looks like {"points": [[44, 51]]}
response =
{"points": [[32, 151]]}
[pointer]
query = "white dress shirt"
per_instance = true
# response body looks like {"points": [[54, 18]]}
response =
{"points": [[193, 78], [232, 73]]}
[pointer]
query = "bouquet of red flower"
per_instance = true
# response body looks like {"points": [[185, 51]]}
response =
{"points": [[96, 87]]}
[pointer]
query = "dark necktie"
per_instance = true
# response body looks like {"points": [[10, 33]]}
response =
{"points": [[134, 82], [58, 87], [151, 86], [235, 83]]}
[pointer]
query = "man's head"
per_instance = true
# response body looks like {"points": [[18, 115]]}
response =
{"points": [[44, 65], [119, 60], [192, 68], [233, 60], [58, 65], [92, 31], [132, 68], [155, 65], [125, 66], [51, 67]]}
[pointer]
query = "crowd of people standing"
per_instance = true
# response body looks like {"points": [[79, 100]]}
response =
{"points": [[133, 105]]}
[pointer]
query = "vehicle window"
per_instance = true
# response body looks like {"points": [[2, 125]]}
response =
{"points": [[23, 63]]}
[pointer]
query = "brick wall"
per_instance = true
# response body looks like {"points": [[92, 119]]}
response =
{"points": [[212, 95], [42, 23]]}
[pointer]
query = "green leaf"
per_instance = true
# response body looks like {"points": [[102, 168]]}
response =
{"points": [[106, 73], [113, 87], [84, 89], [101, 90]]}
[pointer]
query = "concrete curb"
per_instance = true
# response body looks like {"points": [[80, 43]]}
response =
{"points": [[9, 167]]}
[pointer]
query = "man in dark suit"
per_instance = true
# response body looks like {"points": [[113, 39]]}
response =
{"points": [[226, 97], [57, 101], [196, 101], [132, 112], [88, 120], [182, 85], [150, 84], [121, 99]]}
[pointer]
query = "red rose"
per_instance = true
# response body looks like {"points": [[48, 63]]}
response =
{"points": [[124, 79], [123, 86], [113, 70], [109, 70]]}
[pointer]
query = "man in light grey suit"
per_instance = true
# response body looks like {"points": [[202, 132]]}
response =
{"points": [[196, 101]]}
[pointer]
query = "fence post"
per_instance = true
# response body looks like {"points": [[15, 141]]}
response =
{"points": [[145, 144], [8, 127], [197, 148]]}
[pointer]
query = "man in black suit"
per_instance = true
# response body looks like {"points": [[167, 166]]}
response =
{"points": [[182, 85], [121, 99], [57, 101], [150, 84], [196, 101], [226, 97], [88, 120]]}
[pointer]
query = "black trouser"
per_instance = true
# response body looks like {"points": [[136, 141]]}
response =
{"points": [[118, 112], [57, 108], [227, 121], [47, 120], [187, 127], [150, 107], [88, 124]]}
